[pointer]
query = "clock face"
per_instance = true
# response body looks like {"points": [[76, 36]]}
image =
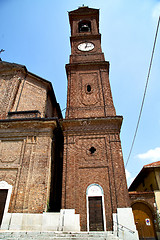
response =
{"points": [[86, 46]]}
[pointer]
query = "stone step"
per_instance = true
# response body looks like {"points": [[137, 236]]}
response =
{"points": [[16, 235]]}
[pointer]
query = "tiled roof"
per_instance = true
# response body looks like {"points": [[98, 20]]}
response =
{"points": [[154, 164]]}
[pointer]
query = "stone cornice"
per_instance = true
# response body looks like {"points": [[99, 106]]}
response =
{"points": [[100, 64], [86, 37], [108, 124], [27, 125]]}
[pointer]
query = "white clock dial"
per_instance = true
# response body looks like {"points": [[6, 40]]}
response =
{"points": [[86, 46]]}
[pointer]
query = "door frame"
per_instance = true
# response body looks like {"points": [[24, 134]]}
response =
{"points": [[95, 190], [5, 186]]}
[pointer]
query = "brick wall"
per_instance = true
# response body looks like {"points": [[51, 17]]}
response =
{"points": [[25, 163], [95, 103], [104, 167]]}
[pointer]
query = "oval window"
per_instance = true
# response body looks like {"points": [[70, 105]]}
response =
{"points": [[88, 88]]}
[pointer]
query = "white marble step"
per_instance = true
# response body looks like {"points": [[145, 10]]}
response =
{"points": [[15, 235]]}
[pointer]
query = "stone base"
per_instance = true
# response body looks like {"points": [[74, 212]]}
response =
{"points": [[123, 222], [66, 220]]}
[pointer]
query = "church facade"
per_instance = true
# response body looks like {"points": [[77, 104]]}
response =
{"points": [[74, 165], [29, 130]]}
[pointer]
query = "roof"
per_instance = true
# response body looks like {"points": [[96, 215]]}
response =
{"points": [[7, 66], [141, 175], [84, 11], [154, 164]]}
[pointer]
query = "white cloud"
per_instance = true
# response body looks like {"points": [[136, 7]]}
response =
{"points": [[153, 155], [128, 177], [156, 11]]}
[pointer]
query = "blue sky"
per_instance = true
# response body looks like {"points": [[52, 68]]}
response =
{"points": [[36, 34]]}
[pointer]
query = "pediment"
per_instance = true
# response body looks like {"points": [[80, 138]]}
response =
{"points": [[6, 66]]}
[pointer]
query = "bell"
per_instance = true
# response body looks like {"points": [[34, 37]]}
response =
{"points": [[85, 28]]}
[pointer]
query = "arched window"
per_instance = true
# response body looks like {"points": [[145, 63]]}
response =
{"points": [[84, 26], [95, 208]]}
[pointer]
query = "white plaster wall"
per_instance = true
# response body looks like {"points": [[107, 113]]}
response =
{"points": [[157, 197], [124, 224]]}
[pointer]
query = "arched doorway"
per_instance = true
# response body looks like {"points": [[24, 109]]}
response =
{"points": [[5, 194], [144, 221], [95, 208]]}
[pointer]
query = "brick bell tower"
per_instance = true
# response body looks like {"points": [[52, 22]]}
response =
{"points": [[94, 182]]}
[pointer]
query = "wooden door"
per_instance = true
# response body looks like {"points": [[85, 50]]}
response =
{"points": [[3, 196], [95, 214], [144, 221]]}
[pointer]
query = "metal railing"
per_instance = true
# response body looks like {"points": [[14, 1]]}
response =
{"points": [[119, 227]]}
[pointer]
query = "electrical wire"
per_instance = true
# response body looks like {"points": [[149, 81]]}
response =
{"points": [[140, 113], [63, 109]]}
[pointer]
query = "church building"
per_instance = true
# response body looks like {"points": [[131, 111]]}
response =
{"points": [[63, 174]]}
